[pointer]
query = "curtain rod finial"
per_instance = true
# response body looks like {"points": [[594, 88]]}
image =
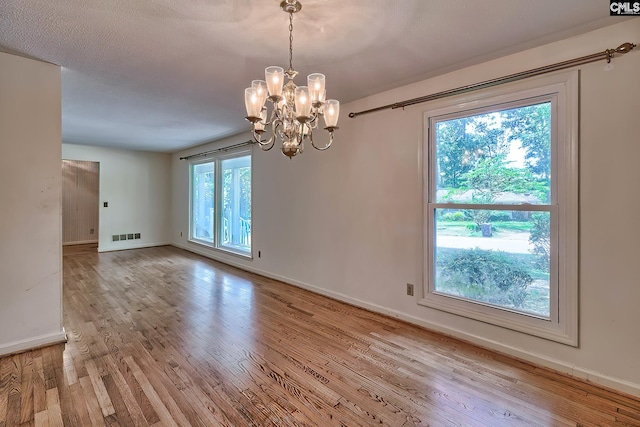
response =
{"points": [[625, 47]]}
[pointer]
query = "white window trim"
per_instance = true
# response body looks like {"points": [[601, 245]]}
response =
{"points": [[218, 225], [562, 326], [191, 230], [217, 159]]}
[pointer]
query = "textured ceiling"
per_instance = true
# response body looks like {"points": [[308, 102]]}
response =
{"points": [[167, 74]]}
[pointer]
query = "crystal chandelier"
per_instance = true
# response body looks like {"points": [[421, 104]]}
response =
{"points": [[296, 110]]}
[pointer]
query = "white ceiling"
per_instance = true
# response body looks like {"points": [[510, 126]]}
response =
{"points": [[167, 74]]}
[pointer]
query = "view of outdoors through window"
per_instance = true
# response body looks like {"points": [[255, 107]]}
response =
{"points": [[231, 218], [203, 202], [494, 253], [236, 203]]}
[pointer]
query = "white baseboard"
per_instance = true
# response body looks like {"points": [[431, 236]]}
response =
{"points": [[33, 343], [136, 246], [538, 359], [80, 242]]}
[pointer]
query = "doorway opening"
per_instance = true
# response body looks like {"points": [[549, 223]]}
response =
{"points": [[80, 205]]}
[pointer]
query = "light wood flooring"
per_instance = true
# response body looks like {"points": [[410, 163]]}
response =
{"points": [[80, 249], [163, 337]]}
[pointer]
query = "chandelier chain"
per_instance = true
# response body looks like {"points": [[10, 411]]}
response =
{"points": [[290, 40]]}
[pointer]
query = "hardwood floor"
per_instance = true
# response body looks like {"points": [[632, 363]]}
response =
{"points": [[163, 337], [77, 249]]}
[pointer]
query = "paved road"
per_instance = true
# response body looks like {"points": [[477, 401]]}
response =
{"points": [[516, 243]]}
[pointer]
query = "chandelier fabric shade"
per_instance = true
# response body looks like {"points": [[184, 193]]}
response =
{"points": [[295, 110]]}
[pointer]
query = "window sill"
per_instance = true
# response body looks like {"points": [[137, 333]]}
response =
{"points": [[222, 250]]}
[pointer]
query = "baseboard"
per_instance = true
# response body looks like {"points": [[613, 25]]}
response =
{"points": [[33, 343], [138, 246], [81, 242], [535, 358]]}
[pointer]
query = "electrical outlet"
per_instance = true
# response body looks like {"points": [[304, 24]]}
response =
{"points": [[130, 236], [91, 231], [136, 236], [115, 237], [123, 237], [409, 289]]}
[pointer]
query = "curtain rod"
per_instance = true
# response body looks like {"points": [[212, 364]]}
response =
{"points": [[206, 153], [607, 54]]}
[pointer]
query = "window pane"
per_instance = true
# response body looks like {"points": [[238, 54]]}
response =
{"points": [[497, 257], [203, 202], [236, 203], [501, 157]]}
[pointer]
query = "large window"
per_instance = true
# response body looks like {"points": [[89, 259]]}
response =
{"points": [[202, 208], [501, 212], [221, 202], [235, 226]]}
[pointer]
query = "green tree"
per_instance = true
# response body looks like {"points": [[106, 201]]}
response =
{"points": [[492, 176], [532, 126], [462, 142], [245, 191]]}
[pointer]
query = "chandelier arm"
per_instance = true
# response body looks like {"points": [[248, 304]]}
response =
{"points": [[321, 148], [273, 117], [313, 123], [257, 137], [300, 135], [266, 145]]}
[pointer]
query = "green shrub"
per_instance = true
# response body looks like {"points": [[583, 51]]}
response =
{"points": [[489, 276], [540, 238], [458, 216], [446, 217], [452, 216], [500, 216]]}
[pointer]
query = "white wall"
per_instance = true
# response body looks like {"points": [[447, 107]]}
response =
{"points": [[30, 209], [136, 185], [348, 222]]}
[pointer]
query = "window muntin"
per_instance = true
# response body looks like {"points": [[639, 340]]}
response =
{"points": [[546, 194], [220, 214]]}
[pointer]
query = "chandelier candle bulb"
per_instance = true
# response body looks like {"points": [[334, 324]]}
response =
{"points": [[261, 90], [303, 103], [275, 79], [331, 113], [252, 103], [316, 84]]}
